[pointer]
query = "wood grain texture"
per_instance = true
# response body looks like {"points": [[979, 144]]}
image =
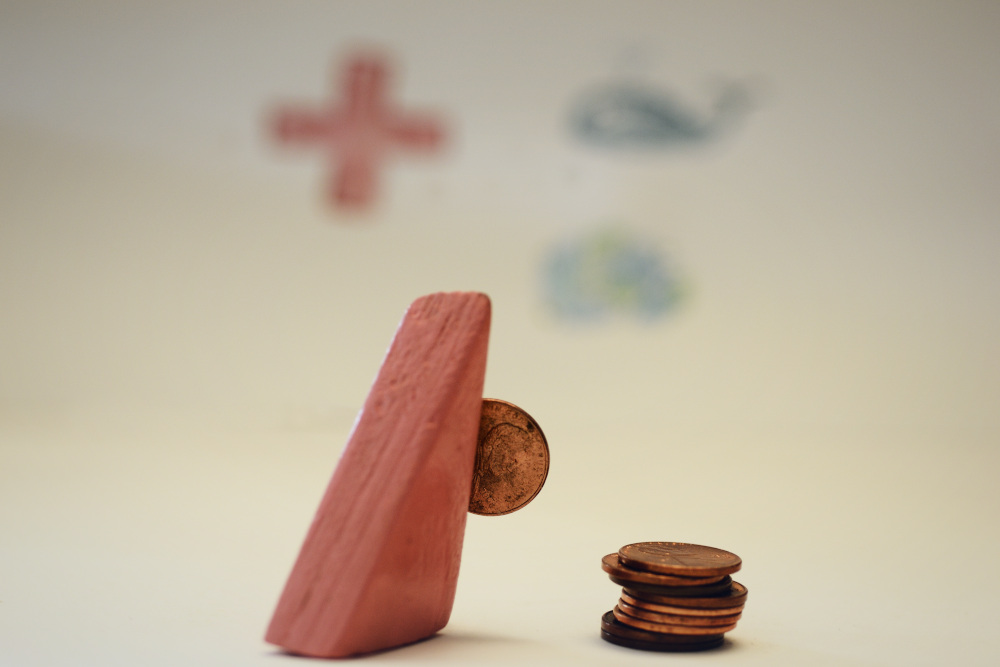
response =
{"points": [[380, 562]]}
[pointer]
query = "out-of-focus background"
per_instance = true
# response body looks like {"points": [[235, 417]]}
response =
{"points": [[743, 266]]}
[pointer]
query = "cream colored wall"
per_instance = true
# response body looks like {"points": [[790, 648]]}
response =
{"points": [[838, 242]]}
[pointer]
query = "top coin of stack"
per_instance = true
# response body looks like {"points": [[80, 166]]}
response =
{"points": [[675, 597]]}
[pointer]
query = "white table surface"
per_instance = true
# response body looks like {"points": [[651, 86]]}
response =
{"points": [[139, 536]]}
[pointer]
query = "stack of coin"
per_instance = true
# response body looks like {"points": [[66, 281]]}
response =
{"points": [[675, 596]]}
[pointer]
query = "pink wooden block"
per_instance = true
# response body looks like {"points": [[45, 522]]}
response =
{"points": [[379, 565]]}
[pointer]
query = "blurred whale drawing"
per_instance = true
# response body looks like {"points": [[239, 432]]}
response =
{"points": [[625, 115]]}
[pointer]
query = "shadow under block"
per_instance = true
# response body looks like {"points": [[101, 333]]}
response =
{"points": [[379, 565]]}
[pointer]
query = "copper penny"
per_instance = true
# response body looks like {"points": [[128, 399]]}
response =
{"points": [[512, 460], [674, 609], [706, 643], [705, 591], [677, 619], [667, 628], [616, 632], [679, 559], [734, 595], [612, 565]]}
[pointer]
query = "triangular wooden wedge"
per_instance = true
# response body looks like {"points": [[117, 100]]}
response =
{"points": [[379, 565]]}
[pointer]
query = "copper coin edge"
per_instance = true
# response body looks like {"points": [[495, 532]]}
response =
{"points": [[631, 556], [663, 628], [611, 625], [719, 589], [612, 565], [735, 594], [679, 610], [677, 619], [662, 647]]}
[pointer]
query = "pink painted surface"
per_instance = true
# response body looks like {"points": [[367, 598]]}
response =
{"points": [[359, 132], [380, 563]]}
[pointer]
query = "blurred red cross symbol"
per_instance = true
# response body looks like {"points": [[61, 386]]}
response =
{"points": [[359, 131]]}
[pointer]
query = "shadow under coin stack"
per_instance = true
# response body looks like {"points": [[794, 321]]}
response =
{"points": [[675, 596]]}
